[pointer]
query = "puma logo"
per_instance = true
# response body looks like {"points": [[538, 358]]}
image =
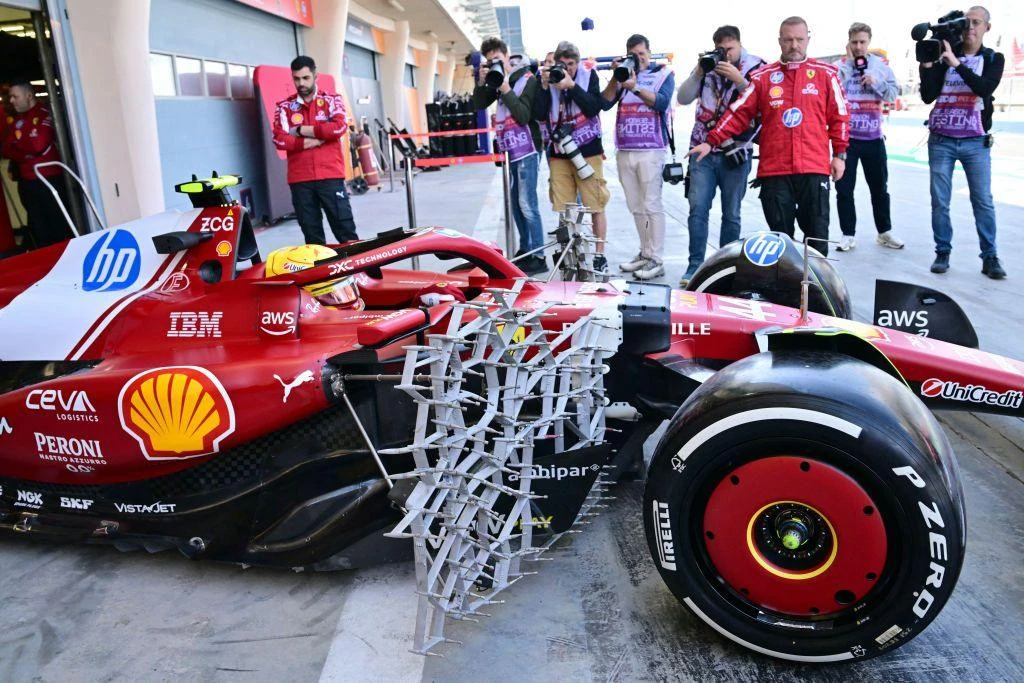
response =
{"points": [[302, 378]]}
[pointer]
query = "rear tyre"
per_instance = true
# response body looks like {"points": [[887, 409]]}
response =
{"points": [[808, 507]]}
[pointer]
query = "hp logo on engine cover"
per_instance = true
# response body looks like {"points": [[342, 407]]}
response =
{"points": [[112, 264], [764, 249]]}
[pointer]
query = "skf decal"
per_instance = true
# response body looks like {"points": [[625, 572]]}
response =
{"points": [[663, 535], [277, 323], [176, 412], [301, 378], [970, 393], [195, 325], [75, 503]]}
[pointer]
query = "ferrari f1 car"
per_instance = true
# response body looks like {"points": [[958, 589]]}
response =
{"points": [[161, 388]]}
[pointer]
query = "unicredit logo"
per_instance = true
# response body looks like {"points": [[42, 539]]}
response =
{"points": [[970, 393]]}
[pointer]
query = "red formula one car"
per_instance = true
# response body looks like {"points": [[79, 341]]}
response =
{"points": [[159, 389]]}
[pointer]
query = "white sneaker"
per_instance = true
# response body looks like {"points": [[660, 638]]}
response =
{"points": [[887, 239], [847, 243], [634, 264], [651, 270]]}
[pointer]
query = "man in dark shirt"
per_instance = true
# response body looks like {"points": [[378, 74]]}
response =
{"points": [[576, 100], [961, 87]]}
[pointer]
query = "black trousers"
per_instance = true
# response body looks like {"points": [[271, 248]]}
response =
{"points": [[871, 154], [330, 197], [46, 222], [803, 196]]}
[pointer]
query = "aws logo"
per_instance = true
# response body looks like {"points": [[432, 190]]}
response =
{"points": [[176, 412]]}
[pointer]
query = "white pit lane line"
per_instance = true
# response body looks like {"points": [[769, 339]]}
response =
{"points": [[375, 629]]}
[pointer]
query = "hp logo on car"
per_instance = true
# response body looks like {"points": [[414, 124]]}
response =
{"points": [[764, 249], [112, 264], [792, 117]]}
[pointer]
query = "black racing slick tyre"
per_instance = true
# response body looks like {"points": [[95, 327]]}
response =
{"points": [[807, 506]]}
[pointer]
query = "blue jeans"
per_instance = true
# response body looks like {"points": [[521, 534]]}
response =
{"points": [[706, 175], [943, 152], [525, 208]]}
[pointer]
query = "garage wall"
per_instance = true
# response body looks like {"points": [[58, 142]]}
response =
{"points": [[200, 134]]}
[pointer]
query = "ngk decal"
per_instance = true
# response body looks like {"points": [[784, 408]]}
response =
{"points": [[71, 450], [29, 499], [663, 535], [277, 323], [75, 503], [72, 405], [970, 393], [194, 324], [217, 224]]}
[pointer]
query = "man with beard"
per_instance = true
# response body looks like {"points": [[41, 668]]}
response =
{"points": [[308, 127], [802, 110]]}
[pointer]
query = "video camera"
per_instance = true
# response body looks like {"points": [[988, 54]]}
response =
{"points": [[709, 60], [949, 27]]}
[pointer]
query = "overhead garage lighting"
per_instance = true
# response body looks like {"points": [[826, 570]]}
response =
{"points": [[397, 5]]}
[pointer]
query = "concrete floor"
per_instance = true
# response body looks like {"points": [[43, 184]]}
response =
{"points": [[597, 610]]}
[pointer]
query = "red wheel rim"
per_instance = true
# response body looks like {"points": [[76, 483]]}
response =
{"points": [[795, 536]]}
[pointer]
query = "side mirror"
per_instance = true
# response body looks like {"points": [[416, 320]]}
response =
{"points": [[173, 242]]}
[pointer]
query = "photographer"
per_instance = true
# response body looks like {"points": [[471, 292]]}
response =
{"points": [[802, 111], [868, 82], [641, 136], [728, 166], [571, 103], [961, 85], [515, 89]]}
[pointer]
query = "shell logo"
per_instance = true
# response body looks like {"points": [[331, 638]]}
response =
{"points": [[176, 412]]}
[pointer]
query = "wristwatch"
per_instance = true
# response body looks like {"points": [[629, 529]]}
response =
{"points": [[841, 155]]}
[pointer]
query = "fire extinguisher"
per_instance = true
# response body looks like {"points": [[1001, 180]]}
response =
{"points": [[367, 164]]}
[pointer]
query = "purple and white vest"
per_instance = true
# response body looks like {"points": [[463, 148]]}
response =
{"points": [[584, 129], [865, 105], [638, 126], [709, 107], [957, 111], [514, 137]]}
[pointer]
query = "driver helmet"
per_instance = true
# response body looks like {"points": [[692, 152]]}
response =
{"points": [[342, 292]]}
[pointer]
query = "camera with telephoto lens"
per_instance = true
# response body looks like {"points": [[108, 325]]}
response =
{"points": [[673, 173], [949, 27], [496, 76], [562, 136], [709, 60], [556, 74], [625, 69]]}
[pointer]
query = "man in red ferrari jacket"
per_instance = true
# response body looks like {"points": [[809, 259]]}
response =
{"points": [[802, 109], [309, 128], [28, 140]]}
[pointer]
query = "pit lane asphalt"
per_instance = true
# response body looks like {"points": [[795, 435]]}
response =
{"points": [[597, 610]]}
